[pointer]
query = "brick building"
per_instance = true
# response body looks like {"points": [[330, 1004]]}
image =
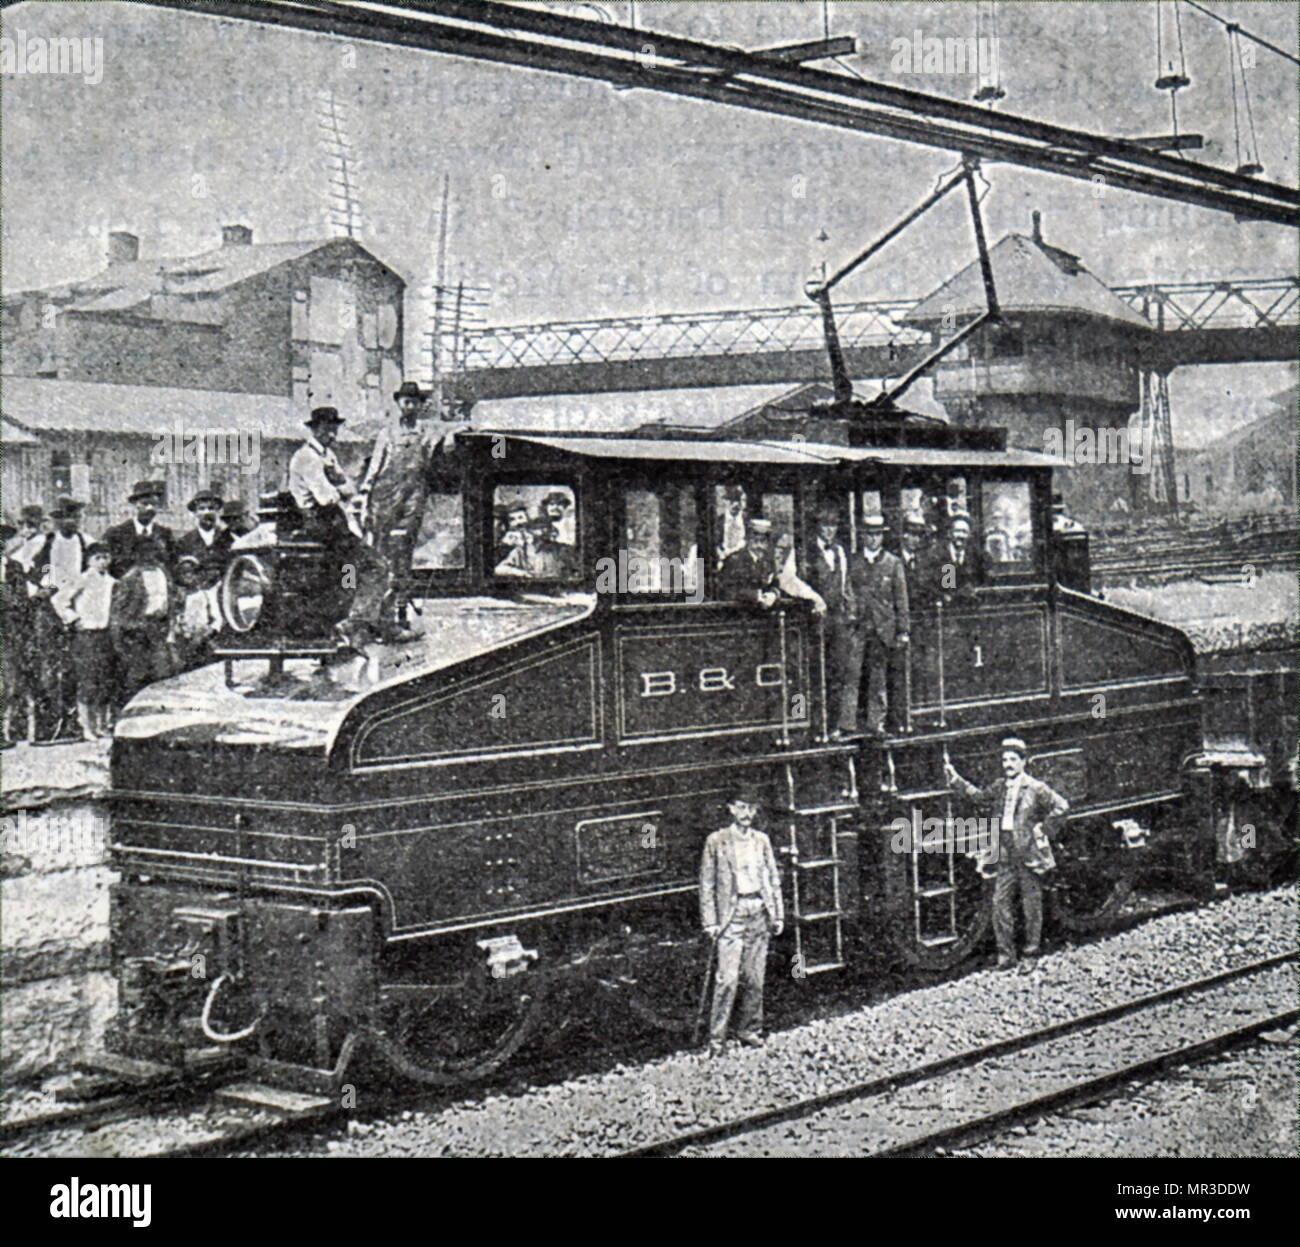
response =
{"points": [[241, 339]]}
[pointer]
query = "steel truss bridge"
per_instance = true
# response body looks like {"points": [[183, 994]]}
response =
{"points": [[1199, 322]]}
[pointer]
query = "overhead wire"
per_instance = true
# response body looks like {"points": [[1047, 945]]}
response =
{"points": [[1263, 43]]}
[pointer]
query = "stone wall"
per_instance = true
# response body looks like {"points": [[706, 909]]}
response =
{"points": [[57, 991]]}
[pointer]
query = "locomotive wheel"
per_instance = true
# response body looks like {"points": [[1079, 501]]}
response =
{"points": [[464, 1033], [1093, 879]]}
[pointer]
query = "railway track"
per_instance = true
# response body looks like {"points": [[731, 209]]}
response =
{"points": [[971, 1094]]}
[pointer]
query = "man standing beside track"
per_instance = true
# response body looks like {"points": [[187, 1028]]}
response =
{"points": [[1028, 812], [740, 907]]}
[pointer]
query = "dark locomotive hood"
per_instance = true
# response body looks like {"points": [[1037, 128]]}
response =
{"points": [[302, 712]]}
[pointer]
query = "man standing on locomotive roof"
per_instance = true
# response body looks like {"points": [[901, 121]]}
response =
{"points": [[740, 908], [1028, 813], [881, 624], [322, 492], [757, 575], [396, 488]]}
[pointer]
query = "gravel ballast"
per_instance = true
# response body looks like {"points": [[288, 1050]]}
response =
{"points": [[600, 1115]]}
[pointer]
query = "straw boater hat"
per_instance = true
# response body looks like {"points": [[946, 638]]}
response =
{"points": [[758, 524], [1015, 745], [874, 524]]}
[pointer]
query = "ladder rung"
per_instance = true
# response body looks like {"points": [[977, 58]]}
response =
{"points": [[819, 966], [944, 890], [818, 863], [934, 941], [922, 794], [820, 915]]}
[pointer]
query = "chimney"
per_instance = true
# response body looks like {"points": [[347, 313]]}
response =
{"points": [[1038, 226], [123, 248], [236, 236]]}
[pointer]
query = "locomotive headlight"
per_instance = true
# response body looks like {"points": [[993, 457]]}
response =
{"points": [[243, 592]]}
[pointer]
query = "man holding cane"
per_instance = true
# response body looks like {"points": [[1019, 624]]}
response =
{"points": [[740, 908]]}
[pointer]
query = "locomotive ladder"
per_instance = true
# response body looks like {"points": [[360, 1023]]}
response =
{"points": [[932, 874], [823, 862]]}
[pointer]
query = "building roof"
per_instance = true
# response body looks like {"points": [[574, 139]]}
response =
{"points": [[43, 403], [1030, 276], [131, 285], [13, 434]]}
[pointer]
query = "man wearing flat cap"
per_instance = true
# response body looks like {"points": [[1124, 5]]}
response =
{"points": [[206, 543], [758, 575], [881, 625], [125, 539], [1028, 814], [323, 492], [740, 908]]}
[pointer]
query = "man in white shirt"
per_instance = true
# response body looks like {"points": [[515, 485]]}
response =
{"points": [[323, 493], [1028, 813], [57, 564], [740, 908], [758, 575]]}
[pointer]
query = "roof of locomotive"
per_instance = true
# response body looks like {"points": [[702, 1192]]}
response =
{"points": [[793, 453]]}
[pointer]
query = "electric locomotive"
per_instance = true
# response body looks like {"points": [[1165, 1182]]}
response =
{"points": [[416, 856]]}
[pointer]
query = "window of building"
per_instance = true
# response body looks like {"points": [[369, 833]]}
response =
{"points": [[659, 549], [440, 545], [534, 532], [1008, 527]]}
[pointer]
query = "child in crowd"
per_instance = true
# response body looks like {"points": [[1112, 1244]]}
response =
{"points": [[83, 605]]}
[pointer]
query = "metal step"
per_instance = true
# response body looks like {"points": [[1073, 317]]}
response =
{"points": [[943, 890], [129, 1069], [922, 794], [936, 941], [278, 1099], [818, 966], [817, 863], [820, 915]]}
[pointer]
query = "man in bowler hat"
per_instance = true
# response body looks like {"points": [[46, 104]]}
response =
{"points": [[740, 908], [206, 543], [323, 492], [125, 539]]}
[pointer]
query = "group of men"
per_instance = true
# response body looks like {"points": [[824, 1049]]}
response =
{"points": [[865, 599], [86, 622], [538, 547], [370, 527], [740, 887]]}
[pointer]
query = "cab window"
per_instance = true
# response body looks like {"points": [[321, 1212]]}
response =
{"points": [[660, 535], [440, 544], [534, 532], [1008, 538]]}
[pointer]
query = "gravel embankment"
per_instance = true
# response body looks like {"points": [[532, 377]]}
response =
{"points": [[599, 1115]]}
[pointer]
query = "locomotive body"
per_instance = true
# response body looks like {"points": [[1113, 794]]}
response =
{"points": [[421, 855]]}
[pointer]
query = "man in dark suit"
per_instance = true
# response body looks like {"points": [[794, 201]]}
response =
{"points": [[124, 540], [952, 566], [1028, 813], [207, 544], [880, 625], [827, 572], [758, 575], [140, 616]]}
